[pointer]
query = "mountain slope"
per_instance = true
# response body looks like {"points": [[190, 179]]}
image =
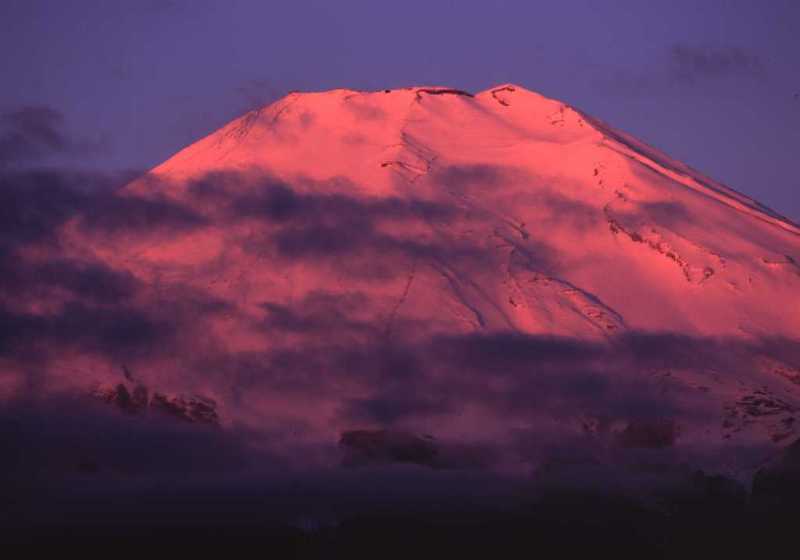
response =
{"points": [[530, 171], [498, 270]]}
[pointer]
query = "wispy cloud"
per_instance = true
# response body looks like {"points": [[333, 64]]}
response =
{"points": [[692, 63], [687, 65], [38, 132]]}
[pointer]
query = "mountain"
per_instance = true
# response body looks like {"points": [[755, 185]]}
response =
{"points": [[497, 280]]}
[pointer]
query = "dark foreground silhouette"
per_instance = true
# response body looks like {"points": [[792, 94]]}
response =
{"points": [[709, 516]]}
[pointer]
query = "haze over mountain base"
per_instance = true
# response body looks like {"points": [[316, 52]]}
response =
{"points": [[398, 299]]}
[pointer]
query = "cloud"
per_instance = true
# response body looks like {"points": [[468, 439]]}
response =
{"points": [[686, 65], [104, 311], [318, 312], [114, 212], [389, 408], [88, 280], [32, 132], [36, 133], [274, 200], [501, 373], [297, 222], [692, 63], [51, 300], [33, 203], [94, 308], [119, 332]]}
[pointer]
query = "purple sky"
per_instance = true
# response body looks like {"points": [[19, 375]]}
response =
{"points": [[715, 84]]}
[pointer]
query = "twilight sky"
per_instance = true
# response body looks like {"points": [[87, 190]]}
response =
{"points": [[713, 83]]}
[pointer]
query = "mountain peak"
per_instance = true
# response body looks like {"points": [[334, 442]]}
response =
{"points": [[511, 87], [418, 90], [312, 251]]}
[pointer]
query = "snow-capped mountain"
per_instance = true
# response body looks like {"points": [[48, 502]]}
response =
{"points": [[500, 274]]}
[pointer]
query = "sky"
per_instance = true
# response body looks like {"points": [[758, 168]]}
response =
{"points": [[715, 83]]}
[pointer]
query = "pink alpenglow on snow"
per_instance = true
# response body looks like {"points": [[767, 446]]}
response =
{"points": [[420, 276]]}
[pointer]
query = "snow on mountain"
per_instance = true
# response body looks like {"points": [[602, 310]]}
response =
{"points": [[499, 270]]}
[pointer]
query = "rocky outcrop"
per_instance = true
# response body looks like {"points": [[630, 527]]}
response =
{"points": [[138, 399]]}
